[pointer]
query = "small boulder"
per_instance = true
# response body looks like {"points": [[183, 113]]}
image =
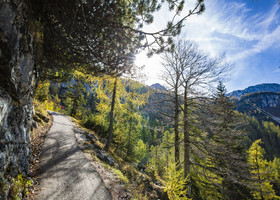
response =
{"points": [[104, 157], [92, 136], [109, 160], [100, 154]]}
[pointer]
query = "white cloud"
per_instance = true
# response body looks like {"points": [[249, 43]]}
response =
{"points": [[264, 21], [267, 40], [232, 24], [239, 31]]}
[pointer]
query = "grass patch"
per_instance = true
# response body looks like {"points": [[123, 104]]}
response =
{"points": [[120, 175]]}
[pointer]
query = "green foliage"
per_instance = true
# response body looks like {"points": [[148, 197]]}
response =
{"points": [[42, 91], [15, 188], [47, 96], [127, 119], [40, 108], [157, 159], [75, 95], [225, 163], [137, 136], [276, 175], [262, 171], [140, 150], [20, 186], [161, 151], [109, 32], [268, 132], [120, 175], [175, 183]]}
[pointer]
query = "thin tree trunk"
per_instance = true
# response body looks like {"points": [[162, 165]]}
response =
{"points": [[186, 141], [108, 144], [74, 108], [128, 153], [167, 151], [176, 128], [157, 157]]}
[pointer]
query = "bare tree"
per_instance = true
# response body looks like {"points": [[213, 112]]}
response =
{"points": [[190, 74], [172, 78]]}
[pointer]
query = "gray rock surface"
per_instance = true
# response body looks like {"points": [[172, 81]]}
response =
{"points": [[17, 81], [104, 157], [66, 173]]}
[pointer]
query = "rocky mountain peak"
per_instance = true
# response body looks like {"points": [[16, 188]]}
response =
{"points": [[158, 86]]}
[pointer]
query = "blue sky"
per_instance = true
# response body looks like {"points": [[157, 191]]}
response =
{"points": [[247, 31]]}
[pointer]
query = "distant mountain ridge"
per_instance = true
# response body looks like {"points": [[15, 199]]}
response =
{"points": [[157, 86], [265, 87]]}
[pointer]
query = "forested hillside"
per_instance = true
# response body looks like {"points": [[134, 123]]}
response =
{"points": [[262, 105], [191, 143], [143, 133]]}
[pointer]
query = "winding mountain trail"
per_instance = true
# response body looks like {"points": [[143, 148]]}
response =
{"points": [[65, 171]]}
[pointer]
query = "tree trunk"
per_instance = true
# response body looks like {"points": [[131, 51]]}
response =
{"points": [[74, 107], [167, 151], [129, 149], [128, 153], [186, 141], [108, 144], [176, 128]]}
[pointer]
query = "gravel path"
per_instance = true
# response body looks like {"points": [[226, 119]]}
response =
{"points": [[65, 172]]}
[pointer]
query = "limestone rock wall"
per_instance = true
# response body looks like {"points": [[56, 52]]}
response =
{"points": [[16, 86]]}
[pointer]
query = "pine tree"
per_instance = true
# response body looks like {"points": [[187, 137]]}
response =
{"points": [[261, 171], [111, 116], [226, 153], [175, 182], [109, 93], [276, 175]]}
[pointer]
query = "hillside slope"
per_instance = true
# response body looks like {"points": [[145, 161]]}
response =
{"points": [[258, 104], [265, 87]]}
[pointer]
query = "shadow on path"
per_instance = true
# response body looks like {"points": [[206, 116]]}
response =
{"points": [[65, 172]]}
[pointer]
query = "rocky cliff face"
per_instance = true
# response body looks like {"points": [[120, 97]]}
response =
{"points": [[16, 87]]}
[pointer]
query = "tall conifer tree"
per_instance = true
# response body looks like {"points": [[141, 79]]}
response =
{"points": [[226, 153]]}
